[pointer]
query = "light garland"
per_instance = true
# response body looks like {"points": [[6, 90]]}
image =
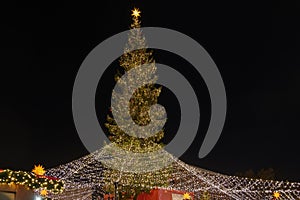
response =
{"points": [[31, 181]]}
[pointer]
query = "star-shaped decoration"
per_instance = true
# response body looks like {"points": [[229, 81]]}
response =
{"points": [[276, 195], [186, 196], [39, 170], [136, 12], [43, 193]]}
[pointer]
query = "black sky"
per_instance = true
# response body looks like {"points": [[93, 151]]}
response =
{"points": [[255, 45]]}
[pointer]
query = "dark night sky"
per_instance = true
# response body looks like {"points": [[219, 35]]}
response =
{"points": [[255, 45]]}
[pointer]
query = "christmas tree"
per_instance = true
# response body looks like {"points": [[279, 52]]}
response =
{"points": [[135, 55]]}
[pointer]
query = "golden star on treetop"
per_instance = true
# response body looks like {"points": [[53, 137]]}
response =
{"points": [[136, 12]]}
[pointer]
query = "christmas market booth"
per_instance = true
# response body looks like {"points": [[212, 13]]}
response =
{"points": [[22, 185]]}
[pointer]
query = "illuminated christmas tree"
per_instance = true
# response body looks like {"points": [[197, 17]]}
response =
{"points": [[142, 99], [131, 184]]}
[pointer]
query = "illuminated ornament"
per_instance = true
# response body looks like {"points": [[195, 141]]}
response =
{"points": [[43, 193], [136, 12], [276, 195], [186, 196], [39, 170]]}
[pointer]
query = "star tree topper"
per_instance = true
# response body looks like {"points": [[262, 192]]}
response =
{"points": [[136, 13]]}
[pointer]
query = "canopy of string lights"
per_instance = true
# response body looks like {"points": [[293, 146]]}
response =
{"points": [[84, 176]]}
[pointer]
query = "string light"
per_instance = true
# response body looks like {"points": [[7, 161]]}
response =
{"points": [[84, 176]]}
